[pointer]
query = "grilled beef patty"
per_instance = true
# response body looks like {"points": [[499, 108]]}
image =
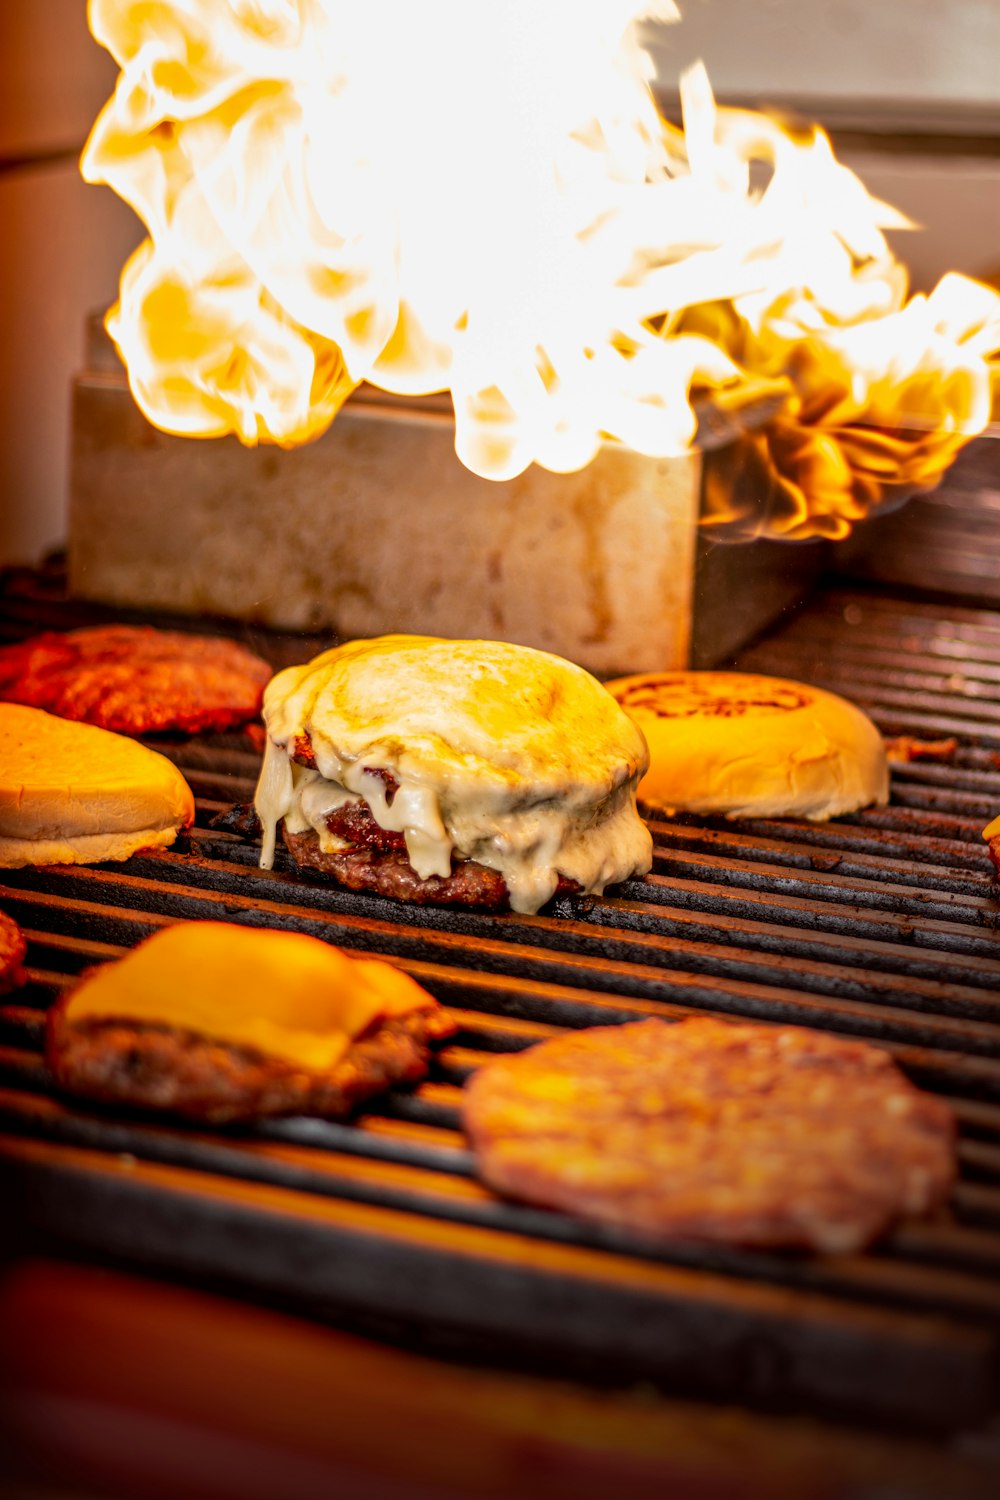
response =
{"points": [[709, 1130], [386, 870], [376, 859], [134, 679], [165, 1069], [355, 824]]}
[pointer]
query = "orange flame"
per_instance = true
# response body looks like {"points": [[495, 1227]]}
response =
{"points": [[485, 200], [879, 409]]}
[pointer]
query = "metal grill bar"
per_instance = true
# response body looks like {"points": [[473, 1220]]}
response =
{"points": [[884, 925]]}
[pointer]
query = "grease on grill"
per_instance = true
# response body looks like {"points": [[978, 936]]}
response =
{"points": [[903, 748], [241, 819]]}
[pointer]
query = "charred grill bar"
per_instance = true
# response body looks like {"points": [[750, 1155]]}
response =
{"points": [[883, 925]]}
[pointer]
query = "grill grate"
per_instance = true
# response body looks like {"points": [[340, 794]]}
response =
{"points": [[883, 925]]}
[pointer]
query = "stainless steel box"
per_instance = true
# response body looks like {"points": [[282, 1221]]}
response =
{"points": [[376, 526]]}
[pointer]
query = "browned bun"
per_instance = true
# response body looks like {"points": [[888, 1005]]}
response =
{"points": [[747, 746], [74, 794]]}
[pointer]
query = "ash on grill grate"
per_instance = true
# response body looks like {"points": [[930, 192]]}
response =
{"points": [[885, 925]]}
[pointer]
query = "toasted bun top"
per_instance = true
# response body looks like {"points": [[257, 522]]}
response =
{"points": [[501, 754], [502, 713], [296, 998], [743, 745], [60, 780]]}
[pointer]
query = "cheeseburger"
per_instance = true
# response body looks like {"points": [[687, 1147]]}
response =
{"points": [[748, 746], [472, 773]]}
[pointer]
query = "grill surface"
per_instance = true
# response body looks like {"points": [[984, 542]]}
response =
{"points": [[883, 926]]}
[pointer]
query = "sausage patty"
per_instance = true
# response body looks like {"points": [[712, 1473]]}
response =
{"points": [[164, 1068], [12, 950], [385, 869], [703, 1129], [134, 679]]}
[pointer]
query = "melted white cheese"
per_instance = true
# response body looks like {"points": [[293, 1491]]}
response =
{"points": [[528, 766], [273, 798]]}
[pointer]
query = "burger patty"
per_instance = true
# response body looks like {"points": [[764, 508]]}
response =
{"points": [[136, 680], [707, 1130], [386, 870], [164, 1068], [355, 824], [12, 950], [993, 845]]}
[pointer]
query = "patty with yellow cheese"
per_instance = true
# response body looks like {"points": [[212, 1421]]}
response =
{"points": [[219, 1023], [472, 773]]}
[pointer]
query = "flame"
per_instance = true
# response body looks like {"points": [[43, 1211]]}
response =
{"points": [[880, 408], [485, 200]]}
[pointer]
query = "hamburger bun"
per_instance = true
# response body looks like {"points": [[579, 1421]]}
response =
{"points": [[745, 746], [472, 754], [74, 794]]}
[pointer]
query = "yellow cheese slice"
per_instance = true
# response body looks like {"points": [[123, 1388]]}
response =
{"points": [[285, 994]]}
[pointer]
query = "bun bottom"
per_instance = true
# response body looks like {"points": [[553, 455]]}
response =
{"points": [[83, 849]]}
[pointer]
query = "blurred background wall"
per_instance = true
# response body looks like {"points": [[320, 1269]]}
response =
{"points": [[62, 245], [909, 88]]}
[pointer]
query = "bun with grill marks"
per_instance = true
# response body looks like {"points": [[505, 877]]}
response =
{"points": [[743, 746]]}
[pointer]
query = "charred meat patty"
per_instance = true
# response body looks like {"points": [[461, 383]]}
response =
{"points": [[135, 679], [388, 872], [707, 1130], [376, 859], [163, 1068]]}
